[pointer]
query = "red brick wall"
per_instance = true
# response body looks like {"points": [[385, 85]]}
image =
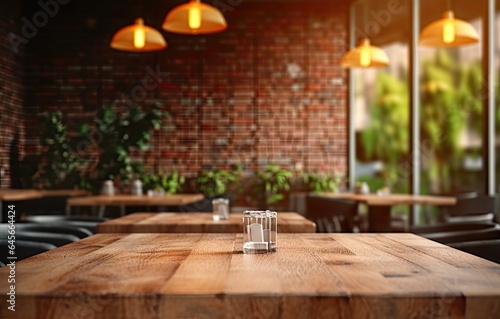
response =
{"points": [[11, 86], [267, 90]]}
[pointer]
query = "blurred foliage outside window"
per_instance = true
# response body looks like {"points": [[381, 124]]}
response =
{"points": [[450, 109]]}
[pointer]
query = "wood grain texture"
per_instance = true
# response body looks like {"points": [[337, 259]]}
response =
{"points": [[288, 222], [135, 200], [394, 199], [206, 276]]}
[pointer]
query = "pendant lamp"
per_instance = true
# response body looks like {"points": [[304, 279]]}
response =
{"points": [[194, 17], [365, 56], [448, 32], [138, 38]]}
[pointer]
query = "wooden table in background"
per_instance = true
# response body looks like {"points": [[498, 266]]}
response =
{"points": [[102, 201], [288, 222], [15, 195], [207, 276], [63, 192], [379, 206]]}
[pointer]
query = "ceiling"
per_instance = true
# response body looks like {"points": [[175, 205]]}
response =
{"points": [[398, 26], [395, 27]]}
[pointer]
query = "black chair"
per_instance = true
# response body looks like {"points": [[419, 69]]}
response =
{"points": [[41, 237], [453, 227], [45, 228], [458, 193], [89, 223], [24, 249], [477, 209], [332, 215], [204, 205], [487, 249], [464, 235]]}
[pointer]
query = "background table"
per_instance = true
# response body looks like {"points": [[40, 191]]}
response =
{"points": [[206, 276], [379, 206], [16, 195], [102, 201], [288, 222]]}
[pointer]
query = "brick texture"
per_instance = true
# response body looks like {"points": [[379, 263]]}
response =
{"points": [[267, 90], [11, 87]]}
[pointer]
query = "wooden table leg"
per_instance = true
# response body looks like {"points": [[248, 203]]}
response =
{"points": [[379, 219]]}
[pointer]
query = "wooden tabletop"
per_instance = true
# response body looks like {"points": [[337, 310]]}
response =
{"points": [[63, 192], [28, 194], [135, 200], [206, 276], [288, 222], [19, 194], [394, 199]]}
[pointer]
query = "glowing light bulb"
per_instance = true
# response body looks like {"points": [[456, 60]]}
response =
{"points": [[194, 15], [365, 58], [139, 35], [449, 31], [449, 27]]}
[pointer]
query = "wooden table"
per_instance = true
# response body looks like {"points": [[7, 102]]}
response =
{"points": [[379, 206], [288, 222], [102, 201], [206, 276], [14, 195]]}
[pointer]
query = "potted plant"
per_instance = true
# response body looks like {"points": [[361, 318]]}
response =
{"points": [[318, 182], [274, 181], [215, 183], [118, 135], [169, 183], [58, 163]]}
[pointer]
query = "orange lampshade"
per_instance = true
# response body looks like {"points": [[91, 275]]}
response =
{"points": [[194, 17], [448, 32], [138, 38], [365, 56]]}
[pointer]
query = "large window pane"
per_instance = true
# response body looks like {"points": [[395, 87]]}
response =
{"points": [[451, 112], [497, 96], [381, 122]]}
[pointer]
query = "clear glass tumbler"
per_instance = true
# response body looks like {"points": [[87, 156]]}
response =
{"points": [[260, 231], [220, 209]]}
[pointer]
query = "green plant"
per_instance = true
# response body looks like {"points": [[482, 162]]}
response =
{"points": [[118, 134], [215, 183], [275, 180], [58, 163], [320, 182], [170, 183]]}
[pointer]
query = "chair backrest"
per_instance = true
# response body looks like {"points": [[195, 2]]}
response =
{"points": [[57, 229], [24, 249], [473, 209], [59, 218], [464, 235], [478, 205], [427, 229], [331, 214], [487, 249], [204, 205], [51, 238], [89, 223]]}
